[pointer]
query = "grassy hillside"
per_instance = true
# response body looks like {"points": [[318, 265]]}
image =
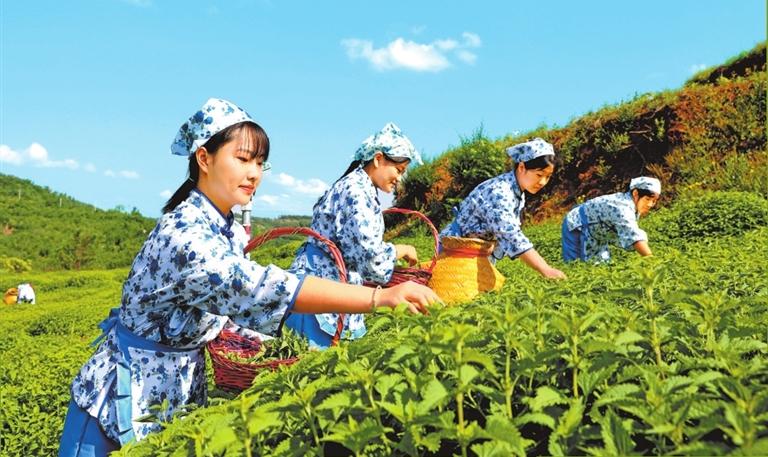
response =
{"points": [[49, 230], [709, 134], [41, 229]]}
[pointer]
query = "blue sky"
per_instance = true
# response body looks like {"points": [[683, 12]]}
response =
{"points": [[92, 92]]}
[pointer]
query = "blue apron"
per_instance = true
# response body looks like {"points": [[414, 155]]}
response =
{"points": [[125, 340], [318, 331]]}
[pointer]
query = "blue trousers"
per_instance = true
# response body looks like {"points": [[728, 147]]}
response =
{"points": [[571, 244], [83, 436]]}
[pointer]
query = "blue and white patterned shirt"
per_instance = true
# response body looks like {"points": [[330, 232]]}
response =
{"points": [[189, 279], [349, 214], [612, 218], [493, 211]]}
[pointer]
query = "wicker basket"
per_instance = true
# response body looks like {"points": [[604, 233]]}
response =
{"points": [[423, 273], [11, 296], [238, 375], [463, 270]]}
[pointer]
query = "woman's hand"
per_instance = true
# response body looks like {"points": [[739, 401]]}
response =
{"points": [[407, 252], [553, 273], [415, 295]]}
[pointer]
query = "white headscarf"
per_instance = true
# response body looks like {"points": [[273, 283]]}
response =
{"points": [[530, 150], [389, 141], [645, 183]]}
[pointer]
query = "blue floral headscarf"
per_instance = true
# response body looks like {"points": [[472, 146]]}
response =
{"points": [[390, 141], [212, 118], [646, 183], [530, 150]]}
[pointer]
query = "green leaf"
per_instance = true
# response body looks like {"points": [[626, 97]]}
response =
{"points": [[474, 356], [467, 374], [386, 382], [432, 394], [616, 437], [536, 418], [571, 419], [262, 419], [627, 337], [338, 402], [616, 393], [493, 449], [546, 396]]}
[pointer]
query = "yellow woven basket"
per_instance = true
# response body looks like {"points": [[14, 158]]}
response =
{"points": [[463, 270], [10, 296]]}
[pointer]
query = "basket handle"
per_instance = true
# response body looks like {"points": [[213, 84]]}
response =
{"points": [[335, 254], [424, 218]]}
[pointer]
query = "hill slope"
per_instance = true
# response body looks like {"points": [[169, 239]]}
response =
{"points": [[51, 230], [709, 134]]}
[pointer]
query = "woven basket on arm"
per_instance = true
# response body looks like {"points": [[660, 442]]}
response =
{"points": [[238, 375], [420, 274]]}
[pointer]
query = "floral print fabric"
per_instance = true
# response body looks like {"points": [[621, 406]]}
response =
{"points": [[493, 210], [612, 219], [530, 150], [189, 280], [390, 141], [349, 214], [212, 118]]}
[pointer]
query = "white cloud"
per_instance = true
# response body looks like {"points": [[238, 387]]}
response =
{"points": [[166, 194], [270, 200], [467, 57], [35, 154], [129, 174], [8, 155], [446, 45], [285, 180], [410, 55], [695, 68], [312, 186], [67, 163], [471, 40], [90, 168]]}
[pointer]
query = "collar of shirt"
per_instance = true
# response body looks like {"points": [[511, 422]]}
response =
{"points": [[366, 183], [512, 180], [213, 213], [627, 196]]}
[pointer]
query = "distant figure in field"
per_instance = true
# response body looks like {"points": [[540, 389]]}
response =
{"points": [[26, 293], [590, 228], [188, 282]]}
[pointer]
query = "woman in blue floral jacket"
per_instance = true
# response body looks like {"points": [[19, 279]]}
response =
{"points": [[189, 280], [590, 228], [349, 214], [493, 210]]}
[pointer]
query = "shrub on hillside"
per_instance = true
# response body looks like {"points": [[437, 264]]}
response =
{"points": [[15, 265], [708, 214], [476, 160]]}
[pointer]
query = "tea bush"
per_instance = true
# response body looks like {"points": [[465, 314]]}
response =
{"points": [[663, 355], [708, 214]]}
